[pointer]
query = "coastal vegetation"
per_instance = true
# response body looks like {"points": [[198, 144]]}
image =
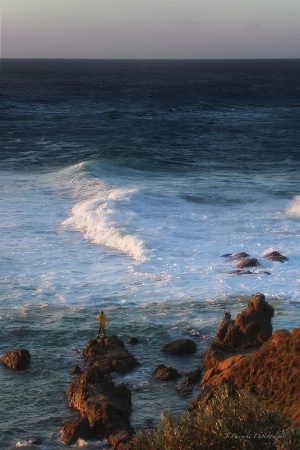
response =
{"points": [[227, 421]]}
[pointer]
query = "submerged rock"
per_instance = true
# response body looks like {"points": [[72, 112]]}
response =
{"points": [[180, 347], [276, 256], [16, 359]]}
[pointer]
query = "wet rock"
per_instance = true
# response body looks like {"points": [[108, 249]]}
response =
{"points": [[180, 347], [236, 256], [16, 359], [248, 272], [74, 430], [247, 262], [276, 256], [164, 373]]}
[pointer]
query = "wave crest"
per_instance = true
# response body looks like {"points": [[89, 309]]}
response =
{"points": [[104, 221]]}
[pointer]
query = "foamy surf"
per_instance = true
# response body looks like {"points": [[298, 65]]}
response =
{"points": [[294, 207], [103, 220]]}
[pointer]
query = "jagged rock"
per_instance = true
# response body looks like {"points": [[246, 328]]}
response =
{"points": [[104, 407], [247, 262], [16, 359], [252, 326], [180, 347], [271, 368], [276, 256], [164, 373]]}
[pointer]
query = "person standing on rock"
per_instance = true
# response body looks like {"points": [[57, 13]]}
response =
{"points": [[102, 322]]}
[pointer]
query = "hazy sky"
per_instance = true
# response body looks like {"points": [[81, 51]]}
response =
{"points": [[150, 28]]}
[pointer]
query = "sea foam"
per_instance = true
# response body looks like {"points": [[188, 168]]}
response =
{"points": [[104, 220], [294, 207]]}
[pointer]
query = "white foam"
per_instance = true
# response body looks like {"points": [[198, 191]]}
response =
{"points": [[294, 207], [104, 220]]}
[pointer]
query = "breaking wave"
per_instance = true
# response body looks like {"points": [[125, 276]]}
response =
{"points": [[106, 220]]}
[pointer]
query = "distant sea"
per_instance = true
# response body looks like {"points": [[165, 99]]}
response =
{"points": [[122, 185]]}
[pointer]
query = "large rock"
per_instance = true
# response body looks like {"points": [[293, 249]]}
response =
{"points": [[252, 327], [180, 347], [109, 355], [17, 359], [245, 355], [104, 407]]}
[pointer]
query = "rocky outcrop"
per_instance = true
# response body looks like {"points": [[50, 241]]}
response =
{"points": [[109, 355], [17, 359], [104, 407], [164, 373], [252, 327], [180, 347], [245, 355], [276, 256], [243, 261]]}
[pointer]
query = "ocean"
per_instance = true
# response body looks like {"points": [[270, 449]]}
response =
{"points": [[122, 185]]}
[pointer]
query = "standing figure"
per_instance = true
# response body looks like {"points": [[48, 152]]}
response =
{"points": [[102, 322]]}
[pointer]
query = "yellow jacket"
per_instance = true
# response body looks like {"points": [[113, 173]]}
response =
{"points": [[102, 320]]}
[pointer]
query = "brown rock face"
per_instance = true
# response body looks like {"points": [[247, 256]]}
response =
{"points": [[252, 326], [17, 359], [244, 355], [103, 406]]}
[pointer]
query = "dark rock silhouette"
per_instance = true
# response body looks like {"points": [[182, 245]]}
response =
{"points": [[17, 359], [76, 370], [180, 347], [133, 341]]}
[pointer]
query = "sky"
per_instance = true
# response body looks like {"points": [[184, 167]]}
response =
{"points": [[156, 29]]}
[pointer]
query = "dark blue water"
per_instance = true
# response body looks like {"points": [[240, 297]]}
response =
{"points": [[122, 183]]}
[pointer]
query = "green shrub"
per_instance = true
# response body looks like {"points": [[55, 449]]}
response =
{"points": [[227, 422]]}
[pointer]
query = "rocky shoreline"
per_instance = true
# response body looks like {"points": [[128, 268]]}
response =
{"points": [[243, 355]]}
